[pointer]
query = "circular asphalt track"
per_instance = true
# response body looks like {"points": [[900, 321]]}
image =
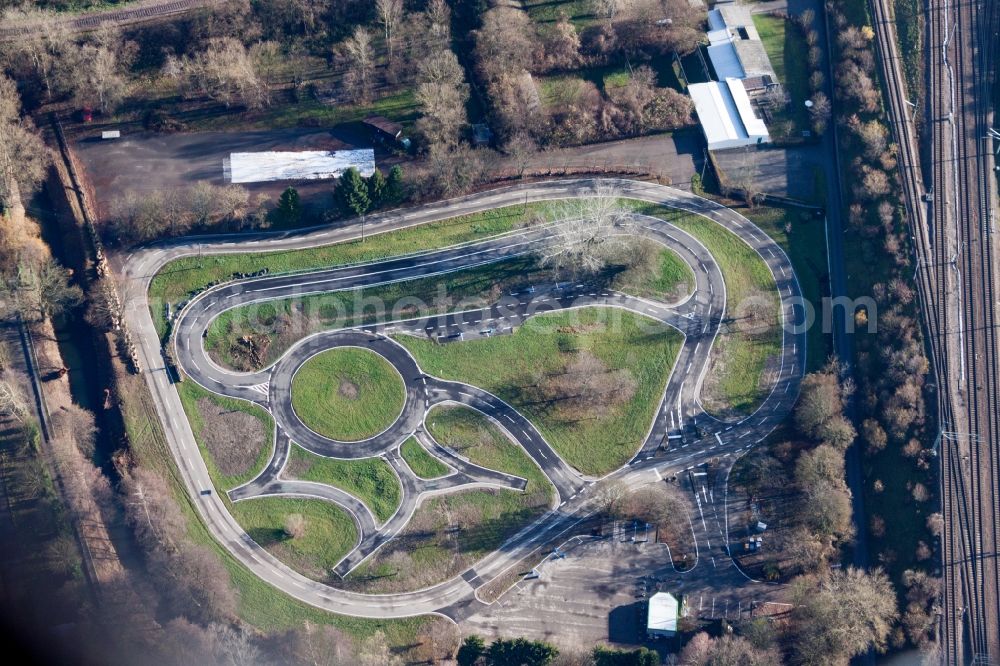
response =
{"points": [[697, 316]]}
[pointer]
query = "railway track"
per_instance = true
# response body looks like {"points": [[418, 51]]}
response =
{"points": [[960, 71], [957, 284], [127, 15]]}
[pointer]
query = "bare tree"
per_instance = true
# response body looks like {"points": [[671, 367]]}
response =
{"points": [[226, 71], [390, 12], [847, 613], [319, 645], [12, 402], [359, 53], [438, 19], [46, 290], [23, 155], [236, 645], [610, 498], [588, 233], [374, 651], [505, 42], [77, 423], [42, 45], [442, 94], [295, 525], [95, 71], [520, 148]]}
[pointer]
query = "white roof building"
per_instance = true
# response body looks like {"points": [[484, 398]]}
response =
{"points": [[735, 49], [303, 165], [726, 115], [664, 611]]}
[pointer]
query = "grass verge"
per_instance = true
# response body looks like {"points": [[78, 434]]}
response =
{"points": [[623, 358], [750, 337], [348, 394], [475, 437], [234, 436], [803, 237], [786, 48], [447, 534], [369, 479], [327, 532], [420, 461], [663, 277]]}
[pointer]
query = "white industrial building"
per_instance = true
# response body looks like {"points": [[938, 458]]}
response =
{"points": [[725, 107], [726, 115], [734, 47], [664, 612], [303, 165]]}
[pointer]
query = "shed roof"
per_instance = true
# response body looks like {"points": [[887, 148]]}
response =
{"points": [[726, 61], [383, 124], [726, 115], [663, 613]]}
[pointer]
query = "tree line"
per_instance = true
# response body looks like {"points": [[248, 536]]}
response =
{"points": [[891, 366]]}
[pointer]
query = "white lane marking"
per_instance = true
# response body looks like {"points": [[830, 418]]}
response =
{"points": [[718, 438]]}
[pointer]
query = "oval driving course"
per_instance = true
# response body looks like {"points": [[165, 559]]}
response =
{"points": [[344, 404]]}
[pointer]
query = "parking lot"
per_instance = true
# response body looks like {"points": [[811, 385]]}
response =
{"points": [[598, 591]]}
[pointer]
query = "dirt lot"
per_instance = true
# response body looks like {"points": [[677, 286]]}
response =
{"points": [[148, 161]]}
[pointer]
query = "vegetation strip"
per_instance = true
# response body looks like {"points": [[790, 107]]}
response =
{"points": [[181, 278], [371, 480], [751, 335], [224, 435], [309, 535], [420, 461]]}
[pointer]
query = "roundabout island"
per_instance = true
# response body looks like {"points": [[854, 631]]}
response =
{"points": [[347, 394], [563, 387]]}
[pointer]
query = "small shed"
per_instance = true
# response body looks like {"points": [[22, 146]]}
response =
{"points": [[482, 135], [664, 612], [384, 128]]}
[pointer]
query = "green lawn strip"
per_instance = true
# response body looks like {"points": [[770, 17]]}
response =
{"points": [[180, 279], [190, 393], [371, 480], [447, 534], [420, 461], [739, 357], [348, 394], [512, 366], [672, 278], [474, 436], [803, 237], [260, 605], [909, 33], [786, 47], [329, 532], [400, 106], [289, 320], [546, 12]]}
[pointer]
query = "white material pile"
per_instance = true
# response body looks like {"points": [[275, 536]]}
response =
{"points": [[304, 165]]}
